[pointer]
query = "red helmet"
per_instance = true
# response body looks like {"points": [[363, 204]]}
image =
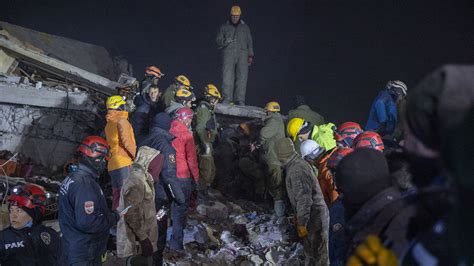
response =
{"points": [[369, 139], [183, 113], [337, 156], [94, 146], [346, 133], [30, 196]]}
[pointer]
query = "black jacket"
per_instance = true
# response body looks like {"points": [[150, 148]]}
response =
{"points": [[38, 245], [160, 140]]}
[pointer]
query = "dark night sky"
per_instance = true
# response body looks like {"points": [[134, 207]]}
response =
{"points": [[337, 53]]}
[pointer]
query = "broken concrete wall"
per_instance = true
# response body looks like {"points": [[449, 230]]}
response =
{"points": [[48, 136], [86, 56]]}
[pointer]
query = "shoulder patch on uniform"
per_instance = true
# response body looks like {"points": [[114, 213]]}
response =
{"points": [[172, 158], [89, 207], [46, 238], [203, 105]]}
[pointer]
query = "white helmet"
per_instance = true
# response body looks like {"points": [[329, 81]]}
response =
{"points": [[311, 149], [395, 85]]}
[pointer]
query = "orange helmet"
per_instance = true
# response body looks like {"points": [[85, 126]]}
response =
{"points": [[369, 139], [154, 71]]}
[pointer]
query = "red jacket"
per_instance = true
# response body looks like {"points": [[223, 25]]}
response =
{"points": [[186, 158]]}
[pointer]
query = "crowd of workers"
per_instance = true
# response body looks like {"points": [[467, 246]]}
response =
{"points": [[390, 193]]}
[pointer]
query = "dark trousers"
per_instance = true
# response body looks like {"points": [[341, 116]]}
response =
{"points": [[179, 215], [337, 237]]}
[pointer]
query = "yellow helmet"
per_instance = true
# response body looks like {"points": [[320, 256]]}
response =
{"points": [[294, 127], [183, 80], [235, 11], [114, 102], [272, 107], [184, 95], [212, 90]]}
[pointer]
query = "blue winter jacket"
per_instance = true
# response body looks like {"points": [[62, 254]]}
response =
{"points": [[383, 114], [84, 217]]}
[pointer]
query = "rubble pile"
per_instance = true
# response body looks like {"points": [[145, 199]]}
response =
{"points": [[223, 232]]}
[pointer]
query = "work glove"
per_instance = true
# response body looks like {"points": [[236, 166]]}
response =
{"points": [[147, 247], [302, 231], [250, 60], [371, 252]]}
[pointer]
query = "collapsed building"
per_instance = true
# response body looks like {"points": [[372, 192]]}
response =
{"points": [[53, 91]]}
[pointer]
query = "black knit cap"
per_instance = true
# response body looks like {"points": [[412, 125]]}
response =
{"points": [[361, 175], [439, 102]]}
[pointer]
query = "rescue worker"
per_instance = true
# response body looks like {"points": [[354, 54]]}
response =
{"points": [[235, 41], [26, 241], [120, 136], [187, 172], [302, 110], [139, 223], [372, 204], [302, 130], [147, 104], [369, 139], [183, 98], [383, 114], [273, 130], [206, 131], [318, 156], [167, 188], [180, 82], [152, 76], [346, 133], [84, 217], [312, 217]]}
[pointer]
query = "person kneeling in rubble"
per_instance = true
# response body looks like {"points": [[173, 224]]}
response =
{"points": [[187, 172], [84, 217], [26, 241], [312, 215], [139, 223]]}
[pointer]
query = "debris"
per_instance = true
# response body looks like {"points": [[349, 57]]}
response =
{"points": [[214, 210]]}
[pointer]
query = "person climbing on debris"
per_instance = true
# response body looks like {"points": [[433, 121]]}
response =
{"points": [[180, 82], [383, 116], [236, 42], [206, 131], [120, 137], [187, 172], [183, 98], [26, 241], [273, 130], [84, 217], [139, 223], [311, 212], [167, 188]]}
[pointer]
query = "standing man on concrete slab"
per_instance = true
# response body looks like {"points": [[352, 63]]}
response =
{"points": [[235, 40]]}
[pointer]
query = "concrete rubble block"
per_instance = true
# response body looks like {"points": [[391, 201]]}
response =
{"points": [[215, 210], [234, 208], [7, 63]]}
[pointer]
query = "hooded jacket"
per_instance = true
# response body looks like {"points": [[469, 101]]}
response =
{"points": [[119, 134], [186, 158], [383, 114], [139, 223]]}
